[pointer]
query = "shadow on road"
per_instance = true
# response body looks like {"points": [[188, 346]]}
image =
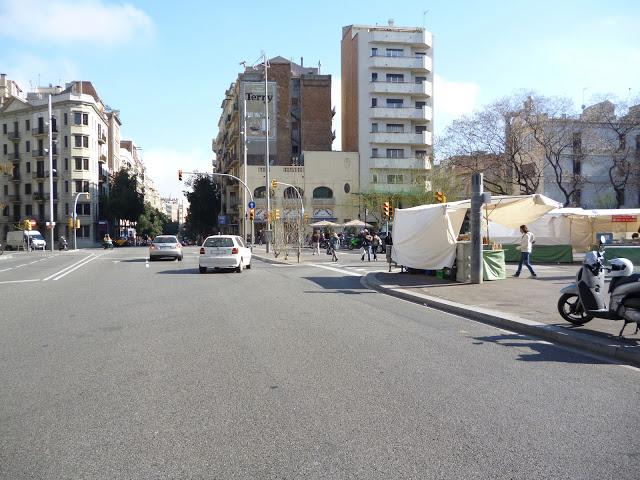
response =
{"points": [[542, 352], [134, 260], [344, 284], [194, 271]]}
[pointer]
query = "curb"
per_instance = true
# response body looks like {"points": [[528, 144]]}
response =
{"points": [[552, 333], [269, 260]]}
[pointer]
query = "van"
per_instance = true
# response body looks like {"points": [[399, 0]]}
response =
{"points": [[19, 239]]}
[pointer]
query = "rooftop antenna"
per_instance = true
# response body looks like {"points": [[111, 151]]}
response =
{"points": [[320, 66], [424, 19]]}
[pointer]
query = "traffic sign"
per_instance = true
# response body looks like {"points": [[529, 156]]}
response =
{"points": [[33, 223], [252, 204], [222, 219]]}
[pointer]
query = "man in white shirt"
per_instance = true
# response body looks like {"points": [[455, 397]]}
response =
{"points": [[526, 245]]}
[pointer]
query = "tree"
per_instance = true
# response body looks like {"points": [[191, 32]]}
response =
{"points": [[204, 206], [124, 201], [152, 222]]}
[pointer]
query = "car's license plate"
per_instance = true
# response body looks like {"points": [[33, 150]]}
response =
{"points": [[217, 251]]}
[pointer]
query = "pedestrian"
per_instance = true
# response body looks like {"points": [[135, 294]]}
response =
{"points": [[375, 245], [315, 239], [526, 246], [334, 243], [366, 245]]}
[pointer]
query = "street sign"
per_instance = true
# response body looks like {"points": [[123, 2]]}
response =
{"points": [[624, 218], [33, 223], [222, 219], [252, 204]]}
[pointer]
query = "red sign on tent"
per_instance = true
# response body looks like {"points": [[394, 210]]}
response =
{"points": [[624, 218]]}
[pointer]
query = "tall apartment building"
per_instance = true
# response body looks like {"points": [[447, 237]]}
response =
{"points": [[300, 115], [387, 104], [80, 157]]}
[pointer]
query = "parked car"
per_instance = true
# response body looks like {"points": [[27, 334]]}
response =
{"points": [[224, 251], [25, 239], [165, 246]]}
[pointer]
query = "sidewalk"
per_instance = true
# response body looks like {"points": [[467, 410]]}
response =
{"points": [[522, 304]]}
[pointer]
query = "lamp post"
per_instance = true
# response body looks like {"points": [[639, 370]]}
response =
{"points": [[266, 114], [51, 172], [75, 204]]}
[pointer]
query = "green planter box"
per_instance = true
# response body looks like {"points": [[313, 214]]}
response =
{"points": [[541, 254]]}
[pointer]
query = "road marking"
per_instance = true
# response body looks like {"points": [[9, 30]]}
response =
{"points": [[339, 270], [6, 269], [76, 267], [67, 268], [21, 265], [20, 281]]}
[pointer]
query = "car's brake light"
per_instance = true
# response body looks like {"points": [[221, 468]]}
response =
{"points": [[178, 245], [201, 250], [234, 250]]}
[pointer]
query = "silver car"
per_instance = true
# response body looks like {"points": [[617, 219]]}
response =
{"points": [[165, 246]]}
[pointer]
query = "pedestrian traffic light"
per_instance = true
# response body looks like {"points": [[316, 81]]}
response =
{"points": [[385, 209], [441, 197], [252, 214], [274, 184], [180, 175], [277, 214]]}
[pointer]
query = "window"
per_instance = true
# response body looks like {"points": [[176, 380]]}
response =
{"points": [[66, 186], [395, 77], [374, 52], [4, 128], [28, 210], [85, 186], [27, 124], [28, 167], [374, 128], [85, 141], [374, 178], [77, 141], [322, 192], [291, 193], [421, 79], [421, 154], [84, 231], [78, 163], [394, 178], [85, 163], [27, 146], [66, 164], [394, 52], [374, 153], [4, 148], [66, 141], [374, 77], [27, 189], [83, 209], [394, 103], [420, 105], [577, 143], [54, 165], [66, 119], [66, 209], [395, 153], [85, 119], [347, 188], [218, 242], [259, 192], [421, 128], [374, 102], [395, 128], [78, 185], [6, 189], [77, 118], [420, 54]]}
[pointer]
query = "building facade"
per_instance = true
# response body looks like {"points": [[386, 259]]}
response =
{"points": [[80, 158], [387, 104], [300, 116]]}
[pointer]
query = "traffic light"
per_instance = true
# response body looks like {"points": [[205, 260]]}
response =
{"points": [[274, 184], [441, 197], [180, 175], [26, 224], [391, 211], [252, 214], [277, 214], [306, 218], [385, 209], [77, 223], [70, 223]]}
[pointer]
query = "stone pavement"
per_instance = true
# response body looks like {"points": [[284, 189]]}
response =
{"points": [[522, 300]]}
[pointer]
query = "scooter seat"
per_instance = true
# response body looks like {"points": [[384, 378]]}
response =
{"points": [[632, 302]]}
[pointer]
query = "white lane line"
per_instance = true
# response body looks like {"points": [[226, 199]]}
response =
{"points": [[21, 265], [6, 269], [67, 268], [345, 272], [75, 268], [20, 281]]}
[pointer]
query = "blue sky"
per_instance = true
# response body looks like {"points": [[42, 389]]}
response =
{"points": [[166, 65]]}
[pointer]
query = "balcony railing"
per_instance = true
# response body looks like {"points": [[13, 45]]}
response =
{"points": [[323, 201], [412, 62], [413, 38], [15, 135], [14, 198], [15, 177], [406, 113], [423, 138], [423, 88], [102, 137], [15, 156], [40, 196], [39, 174], [43, 131]]}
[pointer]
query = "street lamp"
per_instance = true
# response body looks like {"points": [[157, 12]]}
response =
{"points": [[51, 223], [75, 204]]}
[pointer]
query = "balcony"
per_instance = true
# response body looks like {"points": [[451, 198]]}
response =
{"points": [[423, 138], [40, 196], [102, 158], [102, 138], [14, 156], [39, 174], [406, 88], [15, 177], [422, 39], [402, 113], [15, 136], [36, 132], [14, 198], [410, 163], [39, 153], [409, 62]]}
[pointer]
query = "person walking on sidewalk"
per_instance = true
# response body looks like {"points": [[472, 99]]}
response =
{"points": [[334, 244], [375, 245], [366, 245], [526, 246], [315, 239]]}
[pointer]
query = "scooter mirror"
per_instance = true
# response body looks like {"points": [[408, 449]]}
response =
{"points": [[603, 239]]}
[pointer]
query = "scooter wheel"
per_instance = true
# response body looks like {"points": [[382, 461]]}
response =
{"points": [[350, 247], [571, 309]]}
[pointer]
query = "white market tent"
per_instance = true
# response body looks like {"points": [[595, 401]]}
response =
{"points": [[425, 236], [571, 226]]}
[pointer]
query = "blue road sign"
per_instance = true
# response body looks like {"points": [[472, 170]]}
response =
{"points": [[252, 204], [222, 219]]}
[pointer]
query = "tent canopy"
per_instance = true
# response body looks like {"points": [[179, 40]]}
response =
{"points": [[425, 236], [324, 223], [357, 223]]}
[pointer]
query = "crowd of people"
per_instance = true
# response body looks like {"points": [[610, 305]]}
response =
{"points": [[369, 243]]}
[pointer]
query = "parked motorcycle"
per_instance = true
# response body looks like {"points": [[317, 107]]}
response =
{"points": [[354, 242], [62, 243], [584, 300]]}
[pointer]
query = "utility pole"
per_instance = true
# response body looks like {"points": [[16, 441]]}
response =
{"points": [[268, 180], [475, 218], [244, 196]]}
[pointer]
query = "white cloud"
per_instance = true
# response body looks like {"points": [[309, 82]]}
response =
{"points": [[454, 98], [69, 21], [163, 165], [29, 70]]}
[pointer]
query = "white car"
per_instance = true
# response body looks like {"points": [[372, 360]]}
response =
{"points": [[224, 251]]}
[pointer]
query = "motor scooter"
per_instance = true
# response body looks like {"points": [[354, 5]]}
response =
{"points": [[584, 300], [62, 243]]}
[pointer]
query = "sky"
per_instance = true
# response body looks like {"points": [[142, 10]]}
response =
{"points": [[166, 65]]}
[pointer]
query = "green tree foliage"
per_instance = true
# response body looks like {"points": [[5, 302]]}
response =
{"points": [[151, 222], [124, 201], [204, 206]]}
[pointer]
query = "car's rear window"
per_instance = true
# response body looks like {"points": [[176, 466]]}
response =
{"points": [[218, 242], [165, 239]]}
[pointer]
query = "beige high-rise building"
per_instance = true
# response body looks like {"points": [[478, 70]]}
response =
{"points": [[387, 101], [80, 157]]}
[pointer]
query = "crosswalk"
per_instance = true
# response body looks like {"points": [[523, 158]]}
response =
{"points": [[350, 270]]}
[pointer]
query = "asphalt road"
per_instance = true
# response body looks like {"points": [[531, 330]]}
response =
{"points": [[113, 367]]}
